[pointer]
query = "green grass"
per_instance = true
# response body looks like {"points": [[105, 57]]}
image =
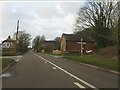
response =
{"points": [[4, 62], [95, 60]]}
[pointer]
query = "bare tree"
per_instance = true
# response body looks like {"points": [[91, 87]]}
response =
{"points": [[94, 13], [98, 17]]}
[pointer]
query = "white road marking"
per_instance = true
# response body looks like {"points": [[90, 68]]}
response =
{"points": [[86, 83], [45, 61], [89, 65], [54, 68], [35, 54], [18, 58], [114, 72], [79, 85]]}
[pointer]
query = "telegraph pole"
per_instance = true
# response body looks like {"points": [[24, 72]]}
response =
{"points": [[17, 30], [81, 47], [16, 46]]}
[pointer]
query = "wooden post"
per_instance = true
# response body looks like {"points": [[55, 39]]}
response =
{"points": [[17, 30], [81, 48]]}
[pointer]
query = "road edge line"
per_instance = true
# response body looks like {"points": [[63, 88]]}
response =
{"points": [[97, 67], [79, 85]]}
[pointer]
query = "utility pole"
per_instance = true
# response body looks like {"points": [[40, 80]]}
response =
{"points": [[16, 46], [81, 47], [17, 30]]}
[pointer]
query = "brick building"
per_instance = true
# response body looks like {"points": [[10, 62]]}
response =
{"points": [[72, 43], [49, 46]]}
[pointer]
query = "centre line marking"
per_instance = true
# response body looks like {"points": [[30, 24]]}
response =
{"points": [[79, 85], [19, 57], [45, 61], [86, 83], [54, 68]]}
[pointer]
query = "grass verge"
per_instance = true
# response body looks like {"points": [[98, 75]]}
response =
{"points": [[15, 54], [95, 60], [4, 62]]}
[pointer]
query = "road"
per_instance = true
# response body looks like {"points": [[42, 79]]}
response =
{"points": [[37, 70]]}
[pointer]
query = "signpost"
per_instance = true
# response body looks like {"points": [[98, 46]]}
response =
{"points": [[81, 46]]}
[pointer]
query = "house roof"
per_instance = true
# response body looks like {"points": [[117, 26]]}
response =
{"points": [[8, 40], [50, 41], [74, 37]]}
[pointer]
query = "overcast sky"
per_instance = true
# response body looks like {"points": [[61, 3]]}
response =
{"points": [[38, 18]]}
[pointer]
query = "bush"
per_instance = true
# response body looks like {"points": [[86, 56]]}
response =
{"points": [[111, 51]]}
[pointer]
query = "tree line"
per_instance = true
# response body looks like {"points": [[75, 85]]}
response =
{"points": [[39, 43]]}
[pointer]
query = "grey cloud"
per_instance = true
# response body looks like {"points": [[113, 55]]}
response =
{"points": [[41, 0], [48, 18]]}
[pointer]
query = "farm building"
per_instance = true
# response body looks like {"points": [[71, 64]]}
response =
{"points": [[49, 46], [71, 43]]}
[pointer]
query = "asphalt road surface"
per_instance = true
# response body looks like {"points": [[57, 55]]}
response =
{"points": [[37, 70]]}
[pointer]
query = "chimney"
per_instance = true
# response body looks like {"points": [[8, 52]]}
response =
{"points": [[8, 37]]}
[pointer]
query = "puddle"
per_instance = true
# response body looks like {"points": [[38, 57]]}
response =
{"points": [[6, 75]]}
